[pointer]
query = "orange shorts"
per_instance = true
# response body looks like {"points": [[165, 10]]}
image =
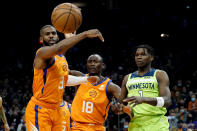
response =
{"points": [[76, 126], [39, 118]]}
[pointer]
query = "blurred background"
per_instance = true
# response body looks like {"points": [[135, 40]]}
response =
{"points": [[170, 27]]}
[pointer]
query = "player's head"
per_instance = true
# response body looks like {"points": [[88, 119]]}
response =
{"points": [[95, 64], [48, 35], [144, 55]]}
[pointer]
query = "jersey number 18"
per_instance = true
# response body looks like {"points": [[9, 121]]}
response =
{"points": [[87, 107]]}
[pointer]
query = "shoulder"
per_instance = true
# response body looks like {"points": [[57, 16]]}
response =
{"points": [[126, 77], [113, 85], [38, 49], [160, 73]]}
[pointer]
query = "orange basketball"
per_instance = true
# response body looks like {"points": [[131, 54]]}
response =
{"points": [[66, 17]]}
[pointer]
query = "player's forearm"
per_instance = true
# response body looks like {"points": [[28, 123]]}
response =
{"points": [[121, 98], [66, 44], [153, 101], [149, 100], [2, 115], [74, 80]]}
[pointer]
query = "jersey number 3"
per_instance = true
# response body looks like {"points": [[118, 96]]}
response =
{"points": [[87, 107]]}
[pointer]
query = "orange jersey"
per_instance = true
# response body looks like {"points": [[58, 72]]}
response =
{"points": [[91, 103], [49, 83], [65, 107]]}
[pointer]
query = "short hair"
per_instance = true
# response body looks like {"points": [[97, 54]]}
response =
{"points": [[41, 30], [150, 50], [98, 56]]}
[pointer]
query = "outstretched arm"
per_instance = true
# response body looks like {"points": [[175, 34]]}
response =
{"points": [[3, 117], [47, 52], [62, 46], [119, 94], [114, 90], [164, 93], [77, 80]]}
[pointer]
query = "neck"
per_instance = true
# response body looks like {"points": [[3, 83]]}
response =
{"points": [[144, 70], [97, 74]]}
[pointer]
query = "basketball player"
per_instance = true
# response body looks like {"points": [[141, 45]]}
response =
{"points": [[3, 117], [50, 78], [147, 92], [91, 103], [66, 109]]}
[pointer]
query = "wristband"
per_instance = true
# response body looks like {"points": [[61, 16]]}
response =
{"points": [[160, 101]]}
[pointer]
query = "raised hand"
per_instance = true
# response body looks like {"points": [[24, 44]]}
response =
{"points": [[68, 35], [94, 33]]}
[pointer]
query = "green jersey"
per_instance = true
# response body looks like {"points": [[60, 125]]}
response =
{"points": [[144, 86]]}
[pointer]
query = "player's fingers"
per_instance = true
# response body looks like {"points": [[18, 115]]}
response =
{"points": [[101, 37], [133, 105], [129, 99]]}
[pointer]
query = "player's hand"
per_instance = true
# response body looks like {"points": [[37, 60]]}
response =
{"points": [[117, 108], [134, 100], [6, 126], [94, 33], [93, 79], [128, 110], [68, 35]]}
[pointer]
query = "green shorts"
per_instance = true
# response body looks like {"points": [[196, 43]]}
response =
{"points": [[149, 123]]}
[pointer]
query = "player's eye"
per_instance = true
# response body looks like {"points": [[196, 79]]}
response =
{"points": [[47, 33], [54, 33]]}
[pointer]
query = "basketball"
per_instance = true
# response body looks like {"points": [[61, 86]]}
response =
{"points": [[66, 17]]}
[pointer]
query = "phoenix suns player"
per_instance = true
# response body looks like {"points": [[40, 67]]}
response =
{"points": [[147, 93], [51, 71], [91, 103]]}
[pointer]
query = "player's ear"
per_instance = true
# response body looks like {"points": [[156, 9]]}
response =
{"points": [[152, 58], [41, 40], [103, 66]]}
